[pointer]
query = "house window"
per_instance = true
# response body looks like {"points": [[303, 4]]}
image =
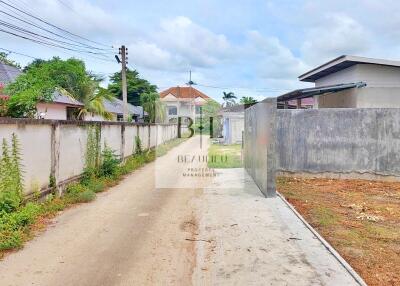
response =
{"points": [[198, 108], [172, 110]]}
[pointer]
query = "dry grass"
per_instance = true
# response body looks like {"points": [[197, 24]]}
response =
{"points": [[360, 218]]}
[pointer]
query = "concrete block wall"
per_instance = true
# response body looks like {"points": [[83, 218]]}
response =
{"points": [[57, 148], [259, 145], [344, 143]]}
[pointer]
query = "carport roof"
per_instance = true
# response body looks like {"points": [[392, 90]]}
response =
{"points": [[309, 92]]}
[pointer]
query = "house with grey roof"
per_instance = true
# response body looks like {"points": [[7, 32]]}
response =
{"points": [[116, 108], [350, 82], [62, 107], [7, 74]]}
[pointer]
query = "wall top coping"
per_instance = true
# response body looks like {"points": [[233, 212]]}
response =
{"points": [[29, 121]]}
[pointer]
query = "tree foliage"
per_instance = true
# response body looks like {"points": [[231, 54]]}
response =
{"points": [[43, 77], [229, 98], [4, 59], [248, 100], [135, 86], [153, 106]]}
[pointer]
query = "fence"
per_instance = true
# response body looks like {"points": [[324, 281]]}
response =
{"points": [[347, 143], [56, 149], [259, 144]]}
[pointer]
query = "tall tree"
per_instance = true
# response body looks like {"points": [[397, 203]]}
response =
{"points": [[136, 86], [153, 106], [229, 98], [248, 100], [42, 78]]}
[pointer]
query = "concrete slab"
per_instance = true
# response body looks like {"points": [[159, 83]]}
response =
{"points": [[247, 239]]}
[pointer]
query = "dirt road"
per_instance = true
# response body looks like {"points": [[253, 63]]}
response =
{"points": [[133, 234], [192, 230]]}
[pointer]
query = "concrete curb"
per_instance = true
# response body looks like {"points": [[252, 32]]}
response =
{"points": [[329, 247]]}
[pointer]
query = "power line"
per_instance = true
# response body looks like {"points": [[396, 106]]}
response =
{"points": [[262, 89], [47, 43], [54, 26], [17, 53], [49, 31], [36, 35]]}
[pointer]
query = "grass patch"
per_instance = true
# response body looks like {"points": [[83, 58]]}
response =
{"points": [[225, 156], [18, 226], [325, 217]]}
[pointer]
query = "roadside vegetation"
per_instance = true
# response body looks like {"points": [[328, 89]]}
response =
{"points": [[359, 218], [19, 219], [224, 156]]}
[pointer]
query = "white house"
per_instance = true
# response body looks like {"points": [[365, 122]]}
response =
{"points": [[232, 124], [61, 108], [183, 102], [64, 107], [351, 82]]}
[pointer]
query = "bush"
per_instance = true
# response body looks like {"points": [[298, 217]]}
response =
{"points": [[109, 163], [95, 184], [79, 193], [138, 145], [10, 239], [9, 201]]}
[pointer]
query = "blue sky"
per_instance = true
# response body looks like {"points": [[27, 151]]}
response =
{"points": [[253, 48]]}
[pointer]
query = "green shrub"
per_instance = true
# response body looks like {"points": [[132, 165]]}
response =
{"points": [[76, 188], [109, 162], [138, 145], [95, 184], [85, 197], [10, 176], [27, 215], [10, 239]]}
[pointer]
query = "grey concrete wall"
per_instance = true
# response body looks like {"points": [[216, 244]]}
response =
{"points": [[58, 148], [259, 144], [352, 142]]}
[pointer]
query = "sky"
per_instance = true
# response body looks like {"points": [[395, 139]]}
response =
{"points": [[252, 48]]}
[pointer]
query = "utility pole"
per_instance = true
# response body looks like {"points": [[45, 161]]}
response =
{"points": [[124, 52], [190, 83]]}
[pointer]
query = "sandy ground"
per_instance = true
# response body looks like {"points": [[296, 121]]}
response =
{"points": [[191, 230]]}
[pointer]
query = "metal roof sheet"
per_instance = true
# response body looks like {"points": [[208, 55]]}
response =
{"points": [[8, 73], [309, 92]]}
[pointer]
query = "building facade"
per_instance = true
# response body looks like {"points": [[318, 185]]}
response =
{"points": [[183, 102]]}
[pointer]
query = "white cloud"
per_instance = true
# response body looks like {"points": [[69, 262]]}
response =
{"points": [[332, 36], [197, 45], [274, 60]]}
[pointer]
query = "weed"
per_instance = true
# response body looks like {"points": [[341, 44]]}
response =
{"points": [[325, 217]]}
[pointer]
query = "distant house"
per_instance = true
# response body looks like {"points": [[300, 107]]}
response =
{"points": [[115, 107], [232, 124], [7, 75], [183, 102], [62, 107], [350, 82]]}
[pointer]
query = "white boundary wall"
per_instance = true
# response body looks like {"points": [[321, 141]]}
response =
{"points": [[57, 148]]}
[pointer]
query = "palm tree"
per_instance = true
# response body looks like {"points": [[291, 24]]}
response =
{"points": [[92, 96], [229, 98], [248, 100], [153, 106]]}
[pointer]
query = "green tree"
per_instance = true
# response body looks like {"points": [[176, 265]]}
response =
{"points": [[42, 78], [135, 86], [153, 106], [211, 109], [248, 100], [5, 60], [229, 98]]}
